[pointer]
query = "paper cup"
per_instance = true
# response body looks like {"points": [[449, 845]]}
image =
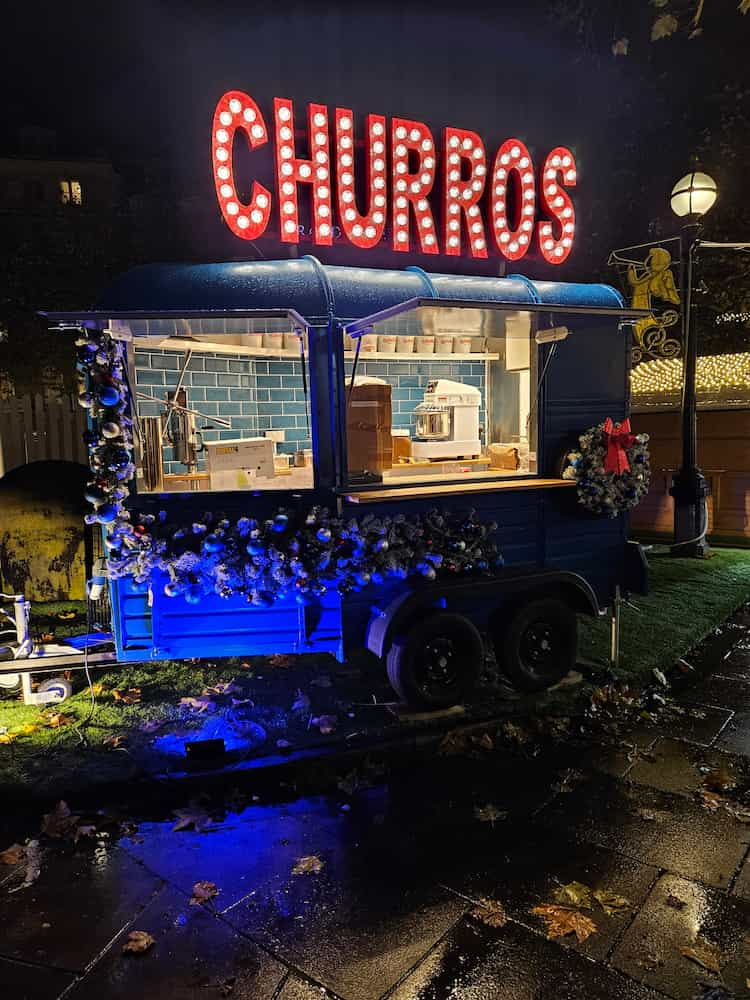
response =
{"points": [[273, 341], [405, 345], [425, 345], [387, 343], [462, 344], [369, 343], [253, 339], [444, 343]]}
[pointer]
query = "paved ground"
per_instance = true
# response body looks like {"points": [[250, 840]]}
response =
{"points": [[403, 862]]}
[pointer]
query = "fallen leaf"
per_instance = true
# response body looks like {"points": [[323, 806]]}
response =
{"points": [[201, 704], [33, 865], [7, 738], [620, 47], [571, 679], [453, 744], [301, 704], [47, 637], [719, 780], [710, 801], [66, 616], [516, 734], [490, 912], [573, 894], [650, 815], [203, 892], [562, 920], [60, 821], [27, 730], [660, 677], [611, 903], [308, 865], [484, 742], [151, 725], [664, 26], [84, 830], [57, 719], [675, 902], [326, 723], [704, 953], [194, 816], [568, 780], [113, 742], [283, 744], [739, 812], [282, 660], [130, 697], [489, 814], [13, 855], [744, 6], [137, 943], [223, 688]]}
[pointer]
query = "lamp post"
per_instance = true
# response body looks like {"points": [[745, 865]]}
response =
{"points": [[692, 196]]}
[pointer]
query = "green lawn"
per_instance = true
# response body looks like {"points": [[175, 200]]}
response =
{"points": [[688, 599]]}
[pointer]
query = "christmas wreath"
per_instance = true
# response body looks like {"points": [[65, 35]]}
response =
{"points": [[611, 468]]}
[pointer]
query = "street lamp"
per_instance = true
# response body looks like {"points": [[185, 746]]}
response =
{"points": [[692, 196]]}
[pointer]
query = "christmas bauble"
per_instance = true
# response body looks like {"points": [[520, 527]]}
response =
{"points": [[108, 395], [106, 513], [110, 429], [86, 400]]}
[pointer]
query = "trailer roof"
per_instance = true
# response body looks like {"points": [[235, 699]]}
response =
{"points": [[318, 291]]}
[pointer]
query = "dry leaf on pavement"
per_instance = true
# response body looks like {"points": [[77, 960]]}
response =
{"points": [[130, 697], [573, 894], [309, 865], [13, 855], [203, 892], [193, 816], [490, 912], [60, 821], [675, 902], [33, 865], [704, 953], [562, 920], [137, 943], [720, 779], [489, 814], [611, 903]]}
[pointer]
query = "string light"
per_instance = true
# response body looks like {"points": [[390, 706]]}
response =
{"points": [[714, 373]]}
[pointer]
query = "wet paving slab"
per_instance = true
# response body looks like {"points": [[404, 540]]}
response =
{"points": [[652, 826], [54, 923], [682, 915], [195, 956], [474, 962], [732, 693], [298, 989], [699, 724], [674, 766], [539, 863], [32, 982]]}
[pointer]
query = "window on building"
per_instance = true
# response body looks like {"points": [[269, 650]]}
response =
{"points": [[441, 393], [70, 192], [223, 404]]}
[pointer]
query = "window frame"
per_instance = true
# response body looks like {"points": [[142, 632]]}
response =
{"points": [[299, 326], [357, 328]]}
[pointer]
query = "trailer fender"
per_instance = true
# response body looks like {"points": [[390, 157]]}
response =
{"points": [[491, 595]]}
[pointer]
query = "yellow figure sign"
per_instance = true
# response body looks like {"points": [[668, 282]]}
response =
{"points": [[651, 280]]}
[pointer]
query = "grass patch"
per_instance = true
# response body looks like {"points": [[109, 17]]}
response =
{"points": [[688, 597]]}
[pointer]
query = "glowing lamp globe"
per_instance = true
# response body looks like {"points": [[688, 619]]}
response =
{"points": [[693, 195]]}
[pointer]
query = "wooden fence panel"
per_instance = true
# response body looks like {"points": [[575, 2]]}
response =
{"points": [[35, 429]]}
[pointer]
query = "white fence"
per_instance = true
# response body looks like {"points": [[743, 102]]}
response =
{"points": [[37, 429]]}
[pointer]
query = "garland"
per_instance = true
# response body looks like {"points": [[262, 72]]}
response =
{"points": [[103, 392], [611, 468], [283, 556], [303, 557]]}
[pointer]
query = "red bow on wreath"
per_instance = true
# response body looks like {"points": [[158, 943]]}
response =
{"points": [[618, 439]]}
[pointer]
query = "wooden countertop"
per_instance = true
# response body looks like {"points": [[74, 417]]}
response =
{"points": [[409, 492]]}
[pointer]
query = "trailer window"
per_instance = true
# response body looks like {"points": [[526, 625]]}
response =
{"points": [[222, 405], [441, 393]]}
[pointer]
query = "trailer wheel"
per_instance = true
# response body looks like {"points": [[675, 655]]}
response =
{"points": [[437, 662], [57, 686], [536, 643]]}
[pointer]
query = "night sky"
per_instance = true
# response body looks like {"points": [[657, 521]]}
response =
{"points": [[139, 81]]}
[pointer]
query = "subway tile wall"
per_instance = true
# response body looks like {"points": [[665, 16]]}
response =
{"points": [[255, 394], [260, 394]]}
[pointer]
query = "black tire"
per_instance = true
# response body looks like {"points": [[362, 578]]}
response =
{"points": [[536, 643], [437, 661]]}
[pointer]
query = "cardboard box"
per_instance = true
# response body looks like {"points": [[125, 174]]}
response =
{"points": [[240, 463], [368, 429]]}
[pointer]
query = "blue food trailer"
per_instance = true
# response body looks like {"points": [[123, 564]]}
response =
{"points": [[293, 457]]}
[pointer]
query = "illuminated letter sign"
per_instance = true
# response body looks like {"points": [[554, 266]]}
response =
{"points": [[507, 207]]}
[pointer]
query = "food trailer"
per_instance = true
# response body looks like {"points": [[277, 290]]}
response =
{"points": [[293, 457]]}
